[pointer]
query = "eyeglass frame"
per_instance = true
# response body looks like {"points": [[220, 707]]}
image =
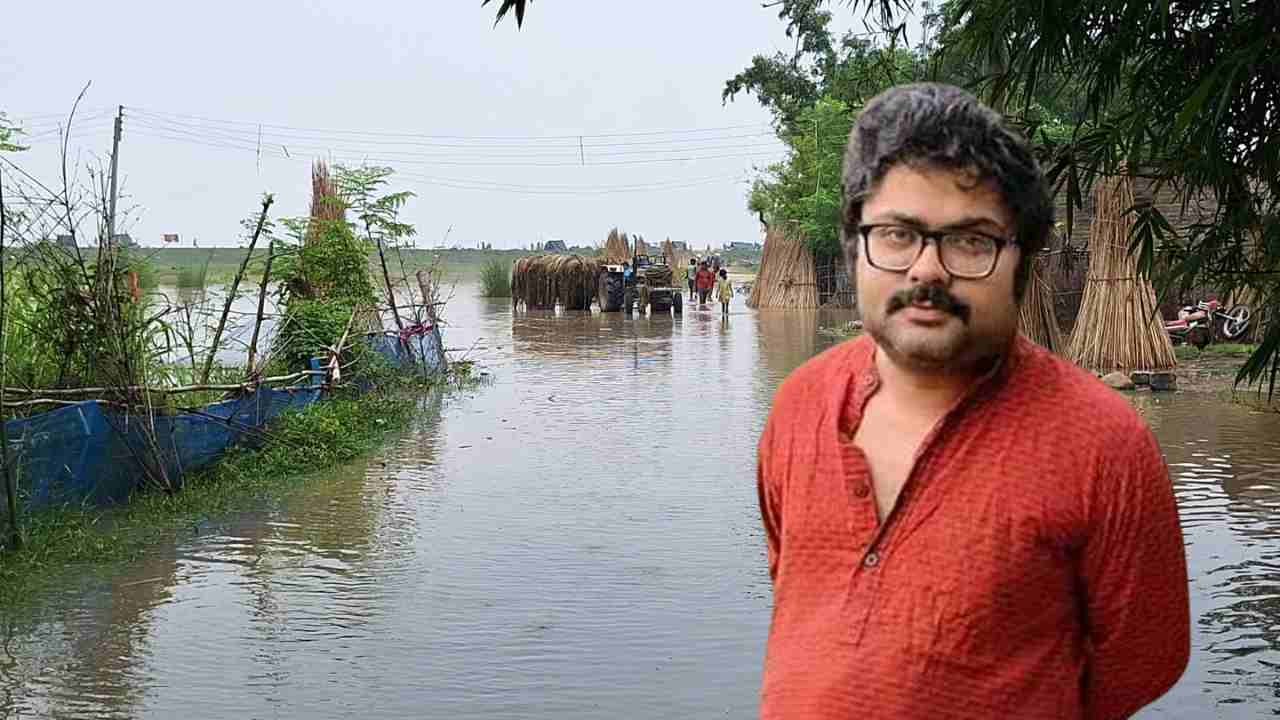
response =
{"points": [[864, 231]]}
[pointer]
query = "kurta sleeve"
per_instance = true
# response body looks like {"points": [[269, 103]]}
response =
{"points": [[1134, 574], [770, 502]]}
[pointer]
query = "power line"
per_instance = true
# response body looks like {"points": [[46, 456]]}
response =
{"points": [[383, 133], [576, 146], [745, 152], [467, 154]]}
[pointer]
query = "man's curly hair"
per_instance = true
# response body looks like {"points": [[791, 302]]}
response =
{"points": [[941, 126]]}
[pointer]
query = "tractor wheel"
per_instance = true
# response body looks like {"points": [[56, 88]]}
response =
{"points": [[660, 301], [677, 304], [609, 292]]}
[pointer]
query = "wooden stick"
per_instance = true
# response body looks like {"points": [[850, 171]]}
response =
{"points": [[262, 300], [71, 392], [235, 284]]}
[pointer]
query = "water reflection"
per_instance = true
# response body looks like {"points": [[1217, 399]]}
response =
{"points": [[579, 539]]}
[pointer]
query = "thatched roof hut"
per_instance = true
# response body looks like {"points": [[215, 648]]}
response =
{"points": [[1119, 327], [544, 281], [786, 278]]}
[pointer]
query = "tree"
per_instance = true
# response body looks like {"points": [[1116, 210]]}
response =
{"points": [[507, 6], [849, 69], [1187, 92], [8, 136], [804, 191]]}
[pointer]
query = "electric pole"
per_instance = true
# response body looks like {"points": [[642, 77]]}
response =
{"points": [[115, 163]]}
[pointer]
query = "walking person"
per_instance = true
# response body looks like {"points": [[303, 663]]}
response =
{"points": [[705, 281], [691, 276], [724, 291], [959, 524]]}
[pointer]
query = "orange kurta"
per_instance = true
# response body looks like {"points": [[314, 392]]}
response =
{"points": [[1032, 568]]}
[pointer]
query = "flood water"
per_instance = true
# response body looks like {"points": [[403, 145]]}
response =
{"points": [[577, 539]]}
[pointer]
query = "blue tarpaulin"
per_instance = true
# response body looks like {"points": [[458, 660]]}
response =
{"points": [[90, 453]]}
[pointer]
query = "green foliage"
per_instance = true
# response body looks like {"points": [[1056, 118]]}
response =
{"points": [[804, 191], [495, 279], [64, 329], [326, 280], [310, 327], [1184, 92], [138, 262], [333, 264], [9, 135], [195, 276], [850, 69], [377, 215]]}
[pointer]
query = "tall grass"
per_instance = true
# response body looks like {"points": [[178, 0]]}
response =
{"points": [[495, 279], [194, 277]]}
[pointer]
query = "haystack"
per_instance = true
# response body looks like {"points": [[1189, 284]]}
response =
{"points": [[543, 281], [1118, 327], [676, 259], [1036, 319], [616, 248], [641, 247], [786, 278]]}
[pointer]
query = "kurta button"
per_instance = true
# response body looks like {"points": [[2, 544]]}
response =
{"points": [[871, 560], [862, 490]]}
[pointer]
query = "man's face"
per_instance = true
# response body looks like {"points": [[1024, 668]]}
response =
{"points": [[966, 320]]}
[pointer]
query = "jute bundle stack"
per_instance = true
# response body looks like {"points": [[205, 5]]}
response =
{"points": [[677, 260], [1036, 319], [786, 278], [542, 281], [616, 248], [1118, 327], [575, 280]]}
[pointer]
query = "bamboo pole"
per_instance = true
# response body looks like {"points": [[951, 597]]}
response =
{"points": [[10, 492], [391, 293], [235, 284], [262, 300], [72, 392]]}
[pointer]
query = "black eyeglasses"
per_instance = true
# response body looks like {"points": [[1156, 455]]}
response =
{"points": [[964, 254]]}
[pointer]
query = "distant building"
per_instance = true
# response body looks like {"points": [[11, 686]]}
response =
{"points": [[679, 245], [554, 246], [68, 241], [744, 246], [169, 237], [123, 240]]}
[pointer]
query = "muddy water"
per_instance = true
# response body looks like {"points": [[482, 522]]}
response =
{"points": [[578, 539]]}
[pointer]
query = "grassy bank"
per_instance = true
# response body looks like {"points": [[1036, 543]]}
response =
{"points": [[326, 434]]}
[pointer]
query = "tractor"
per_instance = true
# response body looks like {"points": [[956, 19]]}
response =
{"points": [[649, 286]]}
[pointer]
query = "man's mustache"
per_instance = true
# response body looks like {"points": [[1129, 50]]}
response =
{"points": [[934, 295]]}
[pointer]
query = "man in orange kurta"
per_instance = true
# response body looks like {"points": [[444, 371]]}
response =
{"points": [[959, 524]]}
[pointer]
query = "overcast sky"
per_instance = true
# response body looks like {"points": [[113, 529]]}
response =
{"points": [[490, 127]]}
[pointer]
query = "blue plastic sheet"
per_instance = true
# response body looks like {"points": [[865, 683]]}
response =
{"points": [[90, 453]]}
